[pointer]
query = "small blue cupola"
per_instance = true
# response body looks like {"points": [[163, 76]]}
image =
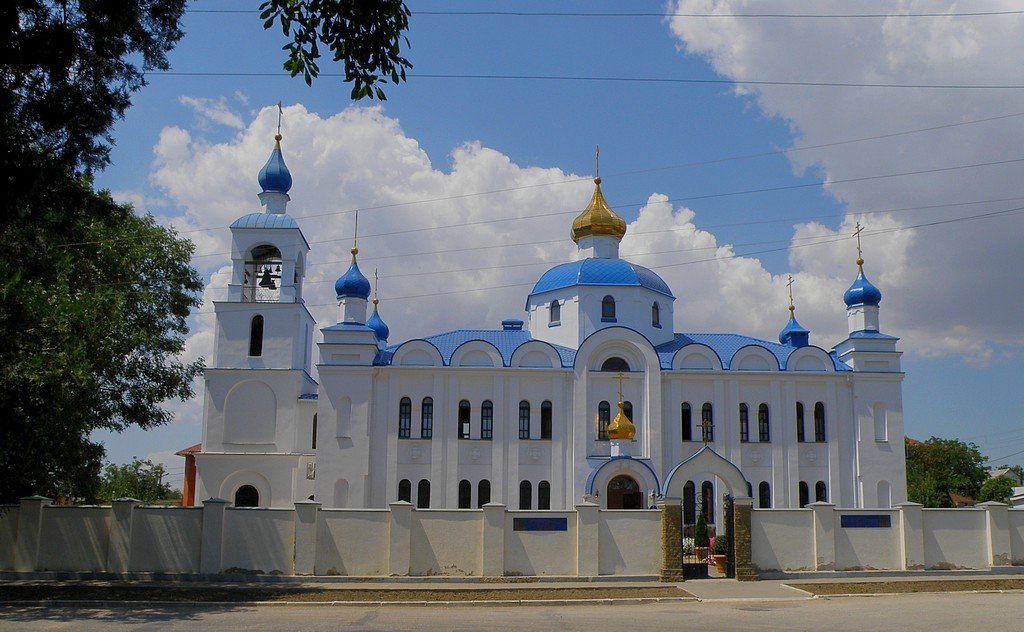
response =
{"points": [[352, 284], [862, 292], [794, 335], [274, 176], [377, 324]]}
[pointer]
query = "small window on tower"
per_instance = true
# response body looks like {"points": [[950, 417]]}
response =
{"points": [[554, 313], [655, 315], [608, 309], [256, 336]]}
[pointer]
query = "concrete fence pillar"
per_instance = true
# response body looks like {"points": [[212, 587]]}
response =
{"points": [[997, 518], [587, 533], [306, 529], [400, 553], [741, 508], [824, 536], [671, 540], [119, 543], [30, 524], [494, 540], [911, 536], [211, 551]]}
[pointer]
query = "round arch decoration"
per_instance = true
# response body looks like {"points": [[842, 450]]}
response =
{"points": [[639, 471], [705, 462]]}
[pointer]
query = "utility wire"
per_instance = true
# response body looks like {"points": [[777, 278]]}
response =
{"points": [[575, 14]]}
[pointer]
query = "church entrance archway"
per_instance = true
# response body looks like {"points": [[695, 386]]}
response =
{"points": [[624, 493]]}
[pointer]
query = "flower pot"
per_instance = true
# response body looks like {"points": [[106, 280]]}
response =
{"points": [[720, 562], [701, 552]]}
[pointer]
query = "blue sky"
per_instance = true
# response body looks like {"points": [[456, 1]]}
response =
{"points": [[675, 158]]}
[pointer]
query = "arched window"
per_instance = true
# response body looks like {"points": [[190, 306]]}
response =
{"points": [[819, 422], [554, 313], [624, 493], [544, 495], [744, 423], [525, 495], [764, 434], [604, 417], [608, 309], [686, 421], [262, 275], [464, 419], [314, 432], [805, 494], [465, 494], [627, 410], [423, 494], [487, 420], [689, 503], [483, 493], [247, 496], [256, 336], [427, 418], [655, 315], [405, 490], [615, 364], [707, 501], [881, 422], [524, 419], [764, 495], [800, 436], [404, 417], [707, 422], [820, 492], [545, 419]]}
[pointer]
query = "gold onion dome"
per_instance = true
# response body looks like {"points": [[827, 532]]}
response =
{"points": [[621, 427], [598, 219]]}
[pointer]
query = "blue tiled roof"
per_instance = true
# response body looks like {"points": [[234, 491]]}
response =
{"points": [[873, 335], [265, 220], [504, 340], [600, 272], [349, 327], [726, 346]]}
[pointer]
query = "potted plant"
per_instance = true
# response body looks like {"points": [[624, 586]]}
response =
{"points": [[700, 538], [720, 551]]}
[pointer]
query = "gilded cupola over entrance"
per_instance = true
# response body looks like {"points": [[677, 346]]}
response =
{"points": [[598, 219]]}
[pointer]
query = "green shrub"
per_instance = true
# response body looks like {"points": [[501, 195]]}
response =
{"points": [[700, 532]]}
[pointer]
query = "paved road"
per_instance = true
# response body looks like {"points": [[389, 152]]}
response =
{"points": [[970, 611]]}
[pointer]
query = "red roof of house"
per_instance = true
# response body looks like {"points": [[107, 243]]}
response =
{"points": [[961, 500], [187, 451]]}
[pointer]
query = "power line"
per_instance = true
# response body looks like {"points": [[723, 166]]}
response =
{"points": [[573, 14]]}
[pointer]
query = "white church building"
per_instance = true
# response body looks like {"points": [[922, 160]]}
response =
{"points": [[520, 414]]}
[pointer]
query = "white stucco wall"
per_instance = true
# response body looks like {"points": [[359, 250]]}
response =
{"points": [[446, 542], [8, 533], [955, 538], [74, 538], [867, 549], [353, 542], [540, 552], [782, 539], [259, 539], [629, 542], [1016, 523], [166, 539]]}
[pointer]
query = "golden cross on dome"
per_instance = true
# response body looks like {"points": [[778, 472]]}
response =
{"points": [[860, 254], [355, 237], [280, 112], [789, 284], [597, 161], [376, 282], [620, 378]]}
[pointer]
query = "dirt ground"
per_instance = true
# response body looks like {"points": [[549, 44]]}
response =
{"points": [[127, 592], [873, 587]]}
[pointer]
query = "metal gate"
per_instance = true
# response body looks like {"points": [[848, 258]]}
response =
{"points": [[730, 561], [695, 560]]}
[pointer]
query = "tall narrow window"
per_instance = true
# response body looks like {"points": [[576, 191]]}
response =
{"points": [[423, 494], [655, 315], [819, 422], [405, 490], [608, 308], [764, 434], [554, 313], [707, 501], [465, 494], [483, 493], [427, 418], [604, 417], [764, 495], [314, 432], [545, 420], [686, 421], [800, 436], [805, 494], [744, 423], [525, 495], [707, 422], [487, 420], [689, 503], [404, 417], [464, 419], [627, 410], [256, 336], [524, 419], [820, 492], [544, 495]]}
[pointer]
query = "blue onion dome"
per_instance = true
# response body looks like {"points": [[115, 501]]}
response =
{"points": [[353, 283], [274, 176], [794, 334], [377, 324], [862, 292]]}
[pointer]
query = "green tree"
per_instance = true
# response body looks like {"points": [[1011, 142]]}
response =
{"points": [[937, 467], [141, 480], [999, 489], [700, 532]]}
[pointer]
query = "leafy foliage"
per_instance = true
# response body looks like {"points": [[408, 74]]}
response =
{"points": [[700, 531], [366, 35], [141, 480], [999, 489], [937, 467], [721, 546]]}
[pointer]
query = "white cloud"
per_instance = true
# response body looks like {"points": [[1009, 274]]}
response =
{"points": [[947, 289], [214, 111]]}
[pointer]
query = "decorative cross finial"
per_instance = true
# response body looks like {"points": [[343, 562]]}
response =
{"points": [[597, 161], [789, 284], [355, 237], [280, 113], [620, 378], [860, 254], [705, 429], [376, 282]]}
